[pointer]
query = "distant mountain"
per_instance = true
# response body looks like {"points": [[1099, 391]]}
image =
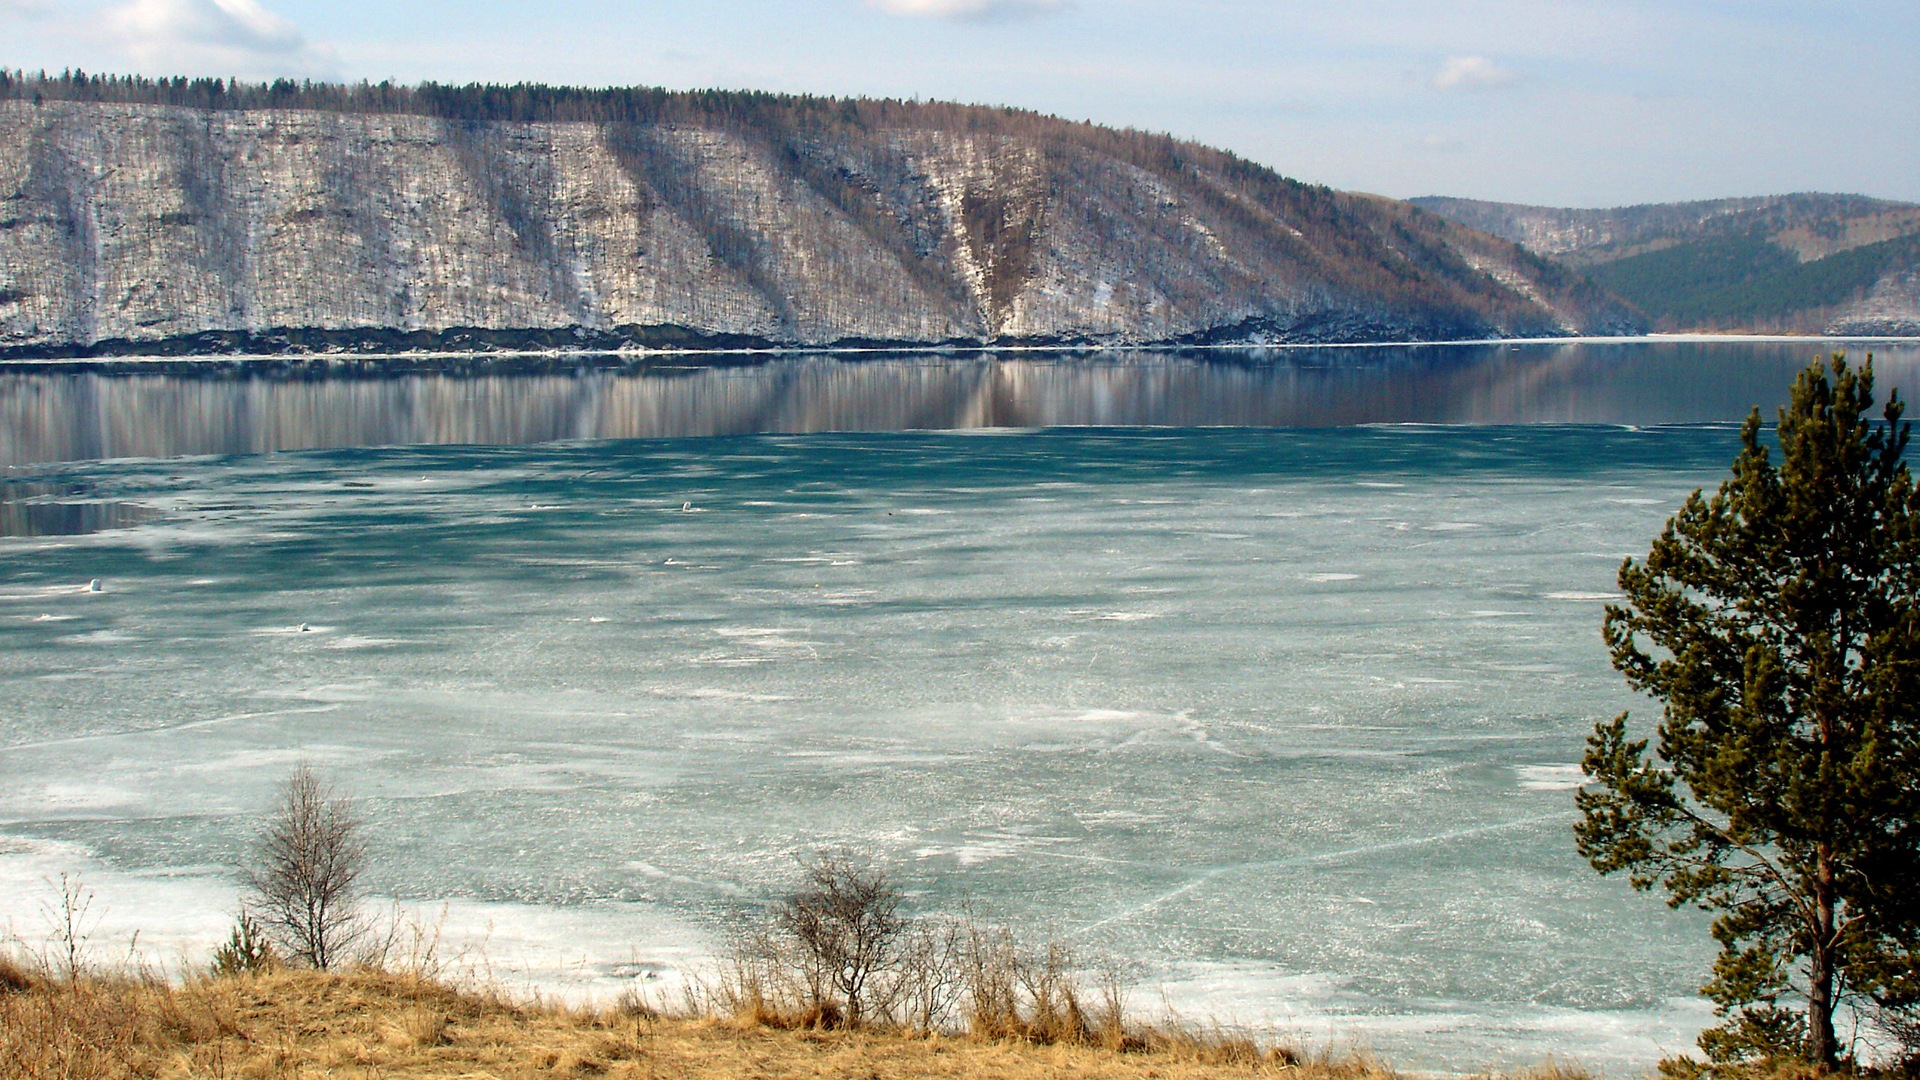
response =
{"points": [[173, 215], [1808, 262]]}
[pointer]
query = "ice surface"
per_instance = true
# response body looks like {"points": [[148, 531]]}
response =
{"points": [[1292, 744]]}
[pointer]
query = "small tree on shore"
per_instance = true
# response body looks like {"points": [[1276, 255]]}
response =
{"points": [[846, 921], [305, 879], [246, 950], [1778, 622]]}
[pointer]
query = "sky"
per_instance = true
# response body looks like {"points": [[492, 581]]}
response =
{"points": [[1576, 103]]}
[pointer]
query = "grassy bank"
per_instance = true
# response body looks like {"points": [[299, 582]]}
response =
{"points": [[369, 1023]]}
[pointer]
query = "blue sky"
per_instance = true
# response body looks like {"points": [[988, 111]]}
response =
{"points": [[1594, 103]]}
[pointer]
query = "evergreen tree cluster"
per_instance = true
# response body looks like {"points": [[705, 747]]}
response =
{"points": [[1745, 280], [484, 103], [1778, 624]]}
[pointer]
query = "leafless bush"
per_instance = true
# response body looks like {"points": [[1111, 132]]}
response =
{"points": [[408, 942], [840, 952], [1900, 1026], [992, 965], [928, 981], [1055, 1013], [756, 982], [847, 925], [305, 881], [1038, 994], [72, 926], [827, 955]]}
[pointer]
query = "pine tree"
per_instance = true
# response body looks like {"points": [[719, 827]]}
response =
{"points": [[1778, 623]]}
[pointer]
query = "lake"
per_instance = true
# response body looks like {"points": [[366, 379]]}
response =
{"points": [[1266, 674]]}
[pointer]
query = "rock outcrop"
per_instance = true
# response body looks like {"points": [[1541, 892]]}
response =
{"points": [[1890, 309], [128, 227]]}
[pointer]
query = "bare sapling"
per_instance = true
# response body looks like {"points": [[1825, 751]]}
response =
{"points": [[846, 922], [308, 860], [928, 981], [73, 926], [1054, 1010], [992, 983], [841, 952]]}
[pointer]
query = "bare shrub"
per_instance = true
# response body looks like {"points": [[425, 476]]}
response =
{"points": [[1053, 993], [992, 972], [846, 924], [73, 925], [839, 952], [305, 881], [403, 942], [928, 980], [759, 982], [1037, 994], [1899, 1026]]}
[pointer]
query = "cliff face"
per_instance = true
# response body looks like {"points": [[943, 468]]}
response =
{"points": [[126, 226], [1843, 264]]}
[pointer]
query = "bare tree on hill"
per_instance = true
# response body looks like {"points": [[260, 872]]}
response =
{"points": [[308, 860]]}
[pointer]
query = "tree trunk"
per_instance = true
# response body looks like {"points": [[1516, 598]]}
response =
{"points": [[1822, 1047]]}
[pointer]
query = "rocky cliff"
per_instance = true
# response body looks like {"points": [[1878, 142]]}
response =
{"points": [[129, 226], [1845, 264]]}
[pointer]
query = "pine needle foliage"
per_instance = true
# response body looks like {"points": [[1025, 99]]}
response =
{"points": [[1778, 623], [246, 950]]}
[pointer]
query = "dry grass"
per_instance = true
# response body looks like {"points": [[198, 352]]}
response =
{"points": [[368, 1024]]}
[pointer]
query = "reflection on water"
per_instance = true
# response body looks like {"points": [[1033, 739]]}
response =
{"points": [[50, 509], [229, 408]]}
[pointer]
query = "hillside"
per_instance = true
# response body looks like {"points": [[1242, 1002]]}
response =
{"points": [[165, 216], [1843, 264], [377, 1024]]}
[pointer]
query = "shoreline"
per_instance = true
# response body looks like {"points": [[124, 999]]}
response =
{"points": [[590, 958], [759, 354], [412, 1019]]}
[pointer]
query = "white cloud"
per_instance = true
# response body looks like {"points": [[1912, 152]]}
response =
{"points": [[1470, 72], [23, 9], [216, 37], [967, 9]]}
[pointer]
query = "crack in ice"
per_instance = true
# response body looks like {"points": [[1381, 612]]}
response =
{"points": [[1209, 875]]}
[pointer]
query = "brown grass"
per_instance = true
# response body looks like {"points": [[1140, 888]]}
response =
{"points": [[368, 1024]]}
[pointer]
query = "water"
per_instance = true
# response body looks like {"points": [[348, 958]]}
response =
{"points": [[65, 412], [1286, 718]]}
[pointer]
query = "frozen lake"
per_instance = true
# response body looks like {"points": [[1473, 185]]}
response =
{"points": [[1286, 717]]}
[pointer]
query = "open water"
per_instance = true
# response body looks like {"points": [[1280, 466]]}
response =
{"points": [[1285, 718]]}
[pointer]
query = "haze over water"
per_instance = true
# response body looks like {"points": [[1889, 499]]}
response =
{"points": [[1286, 717]]}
